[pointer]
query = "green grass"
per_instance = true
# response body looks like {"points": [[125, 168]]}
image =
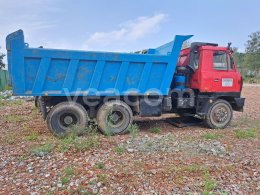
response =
{"points": [[2, 103], [155, 129], [209, 184], [2, 97], [148, 144], [32, 137], [10, 103], [245, 134], [79, 143], [194, 168], [119, 150], [107, 132], [188, 138], [7, 88], [100, 165], [35, 111], [102, 178], [212, 136], [246, 122], [69, 171], [64, 180], [134, 130], [78, 130], [13, 118], [42, 150], [10, 138], [65, 143]]}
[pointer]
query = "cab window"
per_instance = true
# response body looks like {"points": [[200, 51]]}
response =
{"points": [[219, 60], [196, 60]]}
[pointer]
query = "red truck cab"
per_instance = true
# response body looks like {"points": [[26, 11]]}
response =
{"points": [[214, 69], [211, 73]]}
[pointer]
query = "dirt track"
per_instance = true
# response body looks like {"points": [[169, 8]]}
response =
{"points": [[159, 159]]}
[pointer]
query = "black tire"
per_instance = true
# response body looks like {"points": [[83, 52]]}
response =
{"points": [[114, 117], [42, 107], [64, 115], [219, 115], [36, 104]]}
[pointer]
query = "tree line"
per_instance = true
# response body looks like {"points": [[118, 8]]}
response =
{"points": [[248, 62], [2, 65]]}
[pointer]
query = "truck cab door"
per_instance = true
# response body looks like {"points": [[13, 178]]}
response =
{"points": [[224, 77]]}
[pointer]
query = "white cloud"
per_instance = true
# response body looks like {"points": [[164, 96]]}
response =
{"points": [[27, 15], [129, 31]]}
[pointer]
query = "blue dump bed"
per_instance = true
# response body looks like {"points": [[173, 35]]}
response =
{"points": [[50, 72]]}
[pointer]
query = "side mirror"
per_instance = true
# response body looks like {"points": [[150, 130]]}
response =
{"points": [[229, 46]]}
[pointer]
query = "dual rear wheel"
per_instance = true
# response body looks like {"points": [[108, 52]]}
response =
{"points": [[113, 117], [64, 115]]}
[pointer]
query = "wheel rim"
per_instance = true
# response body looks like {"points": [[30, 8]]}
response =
{"points": [[220, 114], [115, 119], [68, 119]]}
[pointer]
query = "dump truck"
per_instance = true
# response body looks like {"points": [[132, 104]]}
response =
{"points": [[76, 87]]}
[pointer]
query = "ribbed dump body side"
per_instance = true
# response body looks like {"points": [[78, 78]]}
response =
{"points": [[38, 71]]}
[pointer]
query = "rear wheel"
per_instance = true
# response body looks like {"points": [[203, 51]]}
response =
{"points": [[114, 117], [64, 115], [219, 115]]}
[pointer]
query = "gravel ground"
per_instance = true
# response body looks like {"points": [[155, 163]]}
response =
{"points": [[157, 159]]}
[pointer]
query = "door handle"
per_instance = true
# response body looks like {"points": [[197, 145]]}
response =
{"points": [[216, 80]]}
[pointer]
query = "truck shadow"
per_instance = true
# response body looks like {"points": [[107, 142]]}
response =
{"points": [[168, 124]]}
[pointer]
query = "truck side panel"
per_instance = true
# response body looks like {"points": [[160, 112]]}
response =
{"points": [[49, 72]]}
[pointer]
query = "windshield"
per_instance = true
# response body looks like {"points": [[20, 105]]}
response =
{"points": [[220, 60], [184, 60]]}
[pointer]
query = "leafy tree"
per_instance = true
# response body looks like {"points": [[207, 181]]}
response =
{"points": [[239, 57], [252, 58], [253, 44], [2, 65]]}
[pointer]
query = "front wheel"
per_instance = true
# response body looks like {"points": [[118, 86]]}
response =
{"points": [[219, 115], [114, 117]]}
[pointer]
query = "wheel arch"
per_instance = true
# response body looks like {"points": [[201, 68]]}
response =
{"points": [[230, 99]]}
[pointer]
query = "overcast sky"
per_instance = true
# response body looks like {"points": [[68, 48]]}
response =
{"points": [[127, 25]]}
